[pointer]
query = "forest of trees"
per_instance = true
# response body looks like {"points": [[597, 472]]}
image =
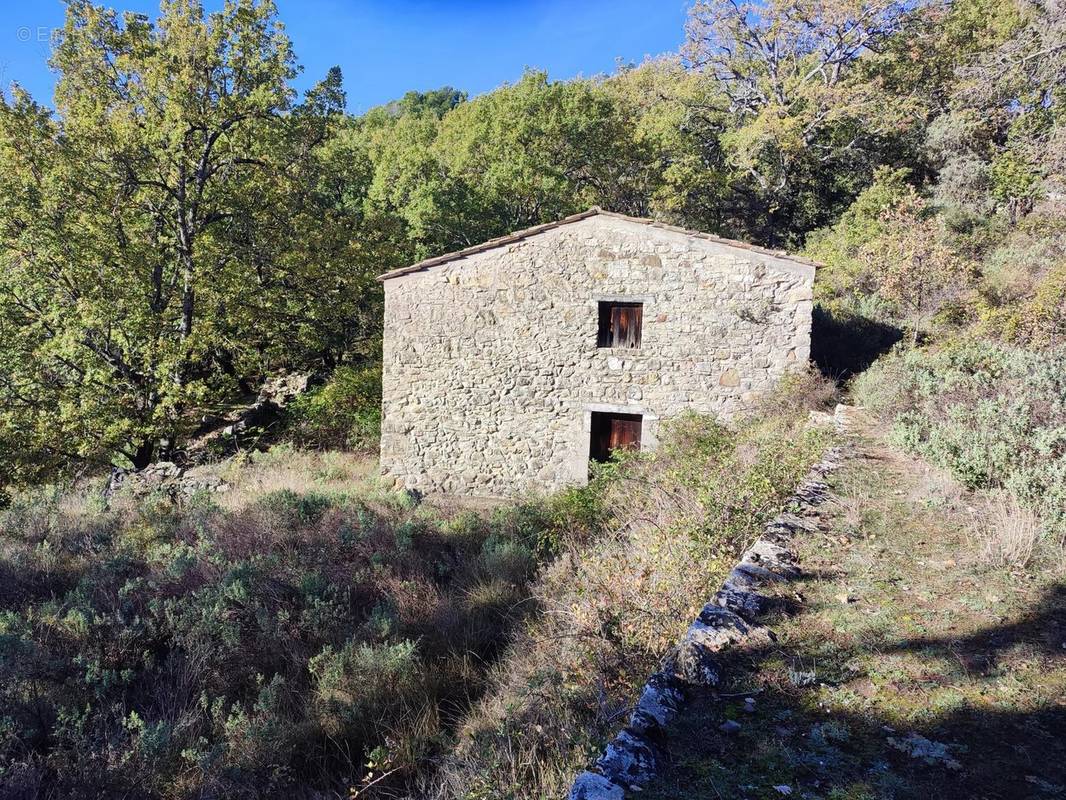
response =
{"points": [[179, 224]]}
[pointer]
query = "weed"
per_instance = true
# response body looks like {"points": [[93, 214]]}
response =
{"points": [[1006, 533]]}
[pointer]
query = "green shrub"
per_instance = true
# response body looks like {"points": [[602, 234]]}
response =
{"points": [[992, 414], [296, 508], [361, 685], [344, 413], [262, 645]]}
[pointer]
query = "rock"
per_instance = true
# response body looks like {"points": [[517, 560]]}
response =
{"points": [[729, 378], [776, 560], [283, 389], [843, 418], [628, 760], [741, 600], [657, 705], [847, 417], [191, 484], [158, 477], [695, 665], [590, 786], [917, 746], [821, 419], [730, 726], [164, 469], [717, 628], [165, 478]]}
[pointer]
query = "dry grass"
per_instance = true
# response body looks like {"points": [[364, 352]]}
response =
{"points": [[613, 605], [937, 487], [300, 624], [1006, 533], [287, 469]]}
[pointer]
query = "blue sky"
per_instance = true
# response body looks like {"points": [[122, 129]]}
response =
{"points": [[386, 48]]}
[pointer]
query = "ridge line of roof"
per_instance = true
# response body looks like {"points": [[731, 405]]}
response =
{"points": [[525, 233]]}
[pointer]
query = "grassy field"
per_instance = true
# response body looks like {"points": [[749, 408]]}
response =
{"points": [[921, 663], [301, 633]]}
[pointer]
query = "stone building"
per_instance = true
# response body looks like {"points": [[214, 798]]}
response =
{"points": [[508, 365]]}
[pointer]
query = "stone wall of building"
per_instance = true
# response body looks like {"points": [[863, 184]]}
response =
{"points": [[491, 364]]}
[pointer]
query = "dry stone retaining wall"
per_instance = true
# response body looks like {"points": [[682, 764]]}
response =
{"points": [[729, 620], [491, 364]]}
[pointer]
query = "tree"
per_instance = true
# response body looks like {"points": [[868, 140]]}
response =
{"points": [[801, 131], [912, 266], [523, 154], [147, 238], [675, 118], [840, 248], [1020, 86]]}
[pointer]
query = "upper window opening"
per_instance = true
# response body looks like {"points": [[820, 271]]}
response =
{"points": [[620, 324]]}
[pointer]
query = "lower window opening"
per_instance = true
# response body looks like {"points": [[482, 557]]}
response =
{"points": [[613, 432]]}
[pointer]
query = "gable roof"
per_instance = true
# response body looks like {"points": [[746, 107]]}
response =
{"points": [[518, 236]]}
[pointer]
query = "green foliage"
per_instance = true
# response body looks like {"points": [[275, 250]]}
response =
{"points": [[839, 247], [266, 646], [994, 415], [168, 233], [344, 413], [360, 684], [1012, 177], [526, 153]]}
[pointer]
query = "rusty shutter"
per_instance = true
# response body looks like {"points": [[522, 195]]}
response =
{"points": [[613, 432], [620, 324]]}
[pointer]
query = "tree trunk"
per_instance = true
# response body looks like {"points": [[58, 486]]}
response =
{"points": [[188, 300], [143, 457], [185, 256]]}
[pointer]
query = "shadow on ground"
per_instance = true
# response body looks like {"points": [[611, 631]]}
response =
{"points": [[793, 742], [905, 671]]}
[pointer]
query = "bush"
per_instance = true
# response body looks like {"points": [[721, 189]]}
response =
{"points": [[344, 413], [1007, 533], [1040, 321], [360, 685], [283, 638], [269, 644], [994, 415]]}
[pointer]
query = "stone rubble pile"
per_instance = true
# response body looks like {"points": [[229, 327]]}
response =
{"points": [[165, 478], [730, 620]]}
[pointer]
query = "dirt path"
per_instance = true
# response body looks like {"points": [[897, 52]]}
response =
{"points": [[907, 670]]}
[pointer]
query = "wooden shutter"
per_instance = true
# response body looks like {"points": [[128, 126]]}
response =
{"points": [[625, 432], [613, 432], [620, 324]]}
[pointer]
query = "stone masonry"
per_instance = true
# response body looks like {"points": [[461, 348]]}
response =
{"points": [[491, 366]]}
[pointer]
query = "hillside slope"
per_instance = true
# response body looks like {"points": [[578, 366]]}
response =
{"points": [[912, 669]]}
